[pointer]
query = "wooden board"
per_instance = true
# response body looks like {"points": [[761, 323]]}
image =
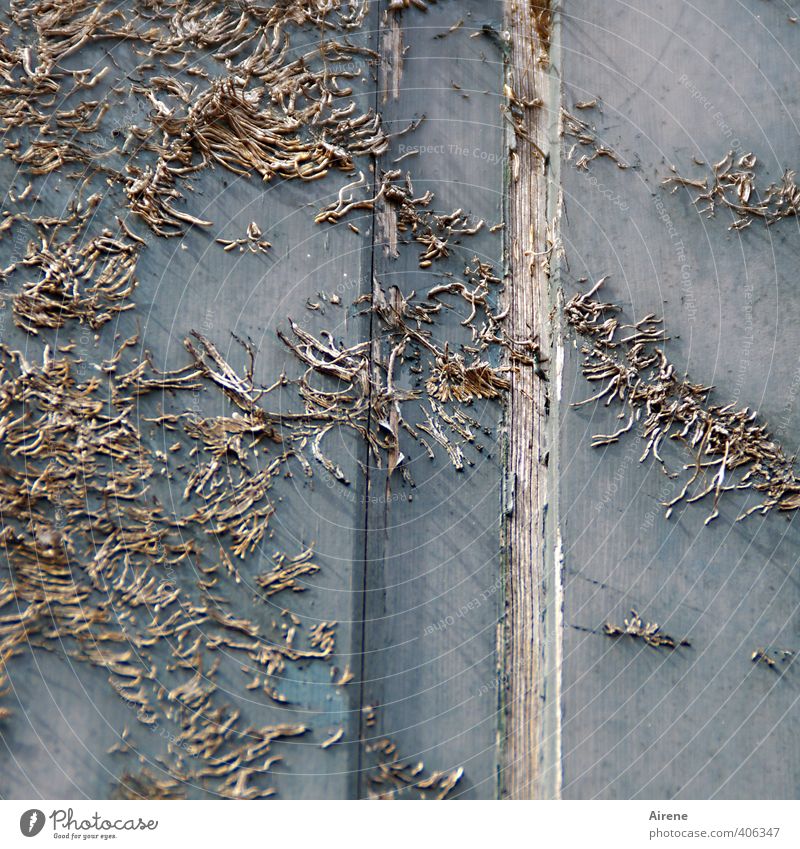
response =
{"points": [[66, 714], [415, 573], [679, 81], [392, 568], [433, 582]]}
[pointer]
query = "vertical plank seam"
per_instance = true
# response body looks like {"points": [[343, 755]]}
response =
{"points": [[360, 785]]}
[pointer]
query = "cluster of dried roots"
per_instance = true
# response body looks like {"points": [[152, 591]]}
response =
{"points": [[729, 448], [649, 632], [586, 137], [733, 184], [147, 785], [215, 85], [286, 573], [392, 778], [91, 283], [409, 213], [89, 544], [366, 392], [776, 659], [543, 25]]}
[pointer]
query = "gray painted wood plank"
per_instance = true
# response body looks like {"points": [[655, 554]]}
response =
{"points": [[434, 593], [66, 715], [440, 702], [679, 80]]}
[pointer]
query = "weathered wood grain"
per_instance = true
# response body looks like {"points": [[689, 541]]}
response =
{"points": [[530, 759]]}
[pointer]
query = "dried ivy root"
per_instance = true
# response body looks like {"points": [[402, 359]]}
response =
{"points": [[584, 136], [649, 632], [773, 657], [392, 778], [91, 284], [147, 785], [98, 567], [729, 449], [733, 184]]}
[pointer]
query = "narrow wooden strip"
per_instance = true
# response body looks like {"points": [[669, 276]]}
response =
{"points": [[530, 738]]}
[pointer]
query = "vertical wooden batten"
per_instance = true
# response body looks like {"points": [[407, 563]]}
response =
{"points": [[530, 735]]}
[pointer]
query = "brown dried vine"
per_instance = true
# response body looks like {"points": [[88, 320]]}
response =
{"points": [[729, 448], [733, 185], [649, 632]]}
